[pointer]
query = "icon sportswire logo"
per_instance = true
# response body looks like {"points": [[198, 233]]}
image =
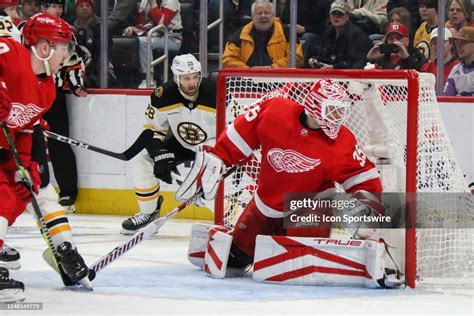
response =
{"points": [[290, 161]]}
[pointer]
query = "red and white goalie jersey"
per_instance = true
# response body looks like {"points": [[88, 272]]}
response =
{"points": [[294, 157], [30, 95]]}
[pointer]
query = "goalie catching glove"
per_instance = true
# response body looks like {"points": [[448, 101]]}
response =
{"points": [[163, 159], [205, 175]]}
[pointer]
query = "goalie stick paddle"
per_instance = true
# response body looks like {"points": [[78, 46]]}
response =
{"points": [[139, 144], [43, 226], [146, 232]]}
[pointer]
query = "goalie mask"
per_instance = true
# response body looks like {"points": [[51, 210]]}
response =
{"points": [[328, 103], [44, 26], [187, 75]]}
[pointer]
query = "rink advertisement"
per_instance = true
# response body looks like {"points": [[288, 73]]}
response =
{"points": [[114, 121]]}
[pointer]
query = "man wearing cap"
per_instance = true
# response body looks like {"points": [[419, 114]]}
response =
{"points": [[395, 52], [337, 43], [461, 79], [449, 60]]}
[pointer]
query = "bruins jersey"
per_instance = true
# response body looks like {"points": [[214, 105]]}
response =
{"points": [[192, 124]]}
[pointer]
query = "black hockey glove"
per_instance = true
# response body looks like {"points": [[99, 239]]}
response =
{"points": [[164, 161]]}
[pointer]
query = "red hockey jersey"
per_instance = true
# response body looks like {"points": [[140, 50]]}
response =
{"points": [[30, 95], [294, 157]]}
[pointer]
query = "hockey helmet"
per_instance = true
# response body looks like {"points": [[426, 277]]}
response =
{"points": [[46, 26], [184, 65], [8, 3], [328, 102]]}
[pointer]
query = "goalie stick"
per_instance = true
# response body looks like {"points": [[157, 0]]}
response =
{"points": [[146, 231], [43, 226], [128, 154]]}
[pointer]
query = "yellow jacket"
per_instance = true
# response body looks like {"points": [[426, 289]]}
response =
{"points": [[240, 47]]}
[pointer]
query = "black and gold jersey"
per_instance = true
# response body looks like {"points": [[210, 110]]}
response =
{"points": [[191, 123]]}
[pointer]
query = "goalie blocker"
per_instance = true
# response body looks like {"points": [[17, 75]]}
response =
{"points": [[295, 260]]}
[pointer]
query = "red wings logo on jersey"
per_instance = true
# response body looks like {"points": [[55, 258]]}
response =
{"points": [[21, 115], [290, 161]]}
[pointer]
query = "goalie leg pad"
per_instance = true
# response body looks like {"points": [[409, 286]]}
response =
{"points": [[198, 244], [319, 261], [217, 253]]}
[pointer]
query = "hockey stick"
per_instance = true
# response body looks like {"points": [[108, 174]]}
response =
{"points": [[43, 226], [147, 231], [128, 154]]}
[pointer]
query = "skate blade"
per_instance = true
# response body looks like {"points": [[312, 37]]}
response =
{"points": [[86, 283], [127, 232], [12, 295], [11, 265]]}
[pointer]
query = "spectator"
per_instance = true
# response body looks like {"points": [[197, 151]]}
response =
{"points": [[235, 13], [150, 15], [87, 27], [264, 42], [429, 14], [395, 51], [459, 15], [10, 9], [411, 6], [403, 16], [369, 15], [449, 60], [55, 7], [29, 8], [461, 78], [337, 44], [122, 13], [312, 19]]}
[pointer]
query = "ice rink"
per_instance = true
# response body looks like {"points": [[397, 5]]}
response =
{"points": [[155, 278]]}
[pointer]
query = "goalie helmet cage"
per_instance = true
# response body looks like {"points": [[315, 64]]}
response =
{"points": [[402, 108]]}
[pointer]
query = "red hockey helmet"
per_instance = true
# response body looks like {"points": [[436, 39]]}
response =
{"points": [[329, 103], [46, 26], [8, 3]]}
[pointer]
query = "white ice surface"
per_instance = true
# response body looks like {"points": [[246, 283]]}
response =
{"points": [[155, 278]]}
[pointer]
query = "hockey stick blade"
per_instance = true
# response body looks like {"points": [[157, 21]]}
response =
{"points": [[139, 144]]}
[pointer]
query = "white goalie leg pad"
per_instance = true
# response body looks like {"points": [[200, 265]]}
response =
{"points": [[318, 261], [206, 173], [217, 253], [198, 244]]}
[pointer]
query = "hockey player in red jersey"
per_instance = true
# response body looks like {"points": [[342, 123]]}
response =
{"points": [[304, 149], [27, 85]]}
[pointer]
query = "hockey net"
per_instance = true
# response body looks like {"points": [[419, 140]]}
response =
{"points": [[399, 110]]}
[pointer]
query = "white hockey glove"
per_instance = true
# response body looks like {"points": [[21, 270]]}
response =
{"points": [[205, 175]]}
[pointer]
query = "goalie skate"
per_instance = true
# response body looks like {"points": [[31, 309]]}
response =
{"points": [[10, 290]]}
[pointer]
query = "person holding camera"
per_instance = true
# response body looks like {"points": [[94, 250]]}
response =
{"points": [[395, 52], [343, 44]]}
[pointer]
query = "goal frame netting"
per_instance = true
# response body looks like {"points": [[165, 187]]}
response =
{"points": [[413, 95]]}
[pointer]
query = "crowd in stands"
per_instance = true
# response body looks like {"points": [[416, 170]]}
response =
{"points": [[331, 34]]}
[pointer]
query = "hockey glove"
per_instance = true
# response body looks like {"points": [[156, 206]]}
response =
{"points": [[164, 163], [22, 186], [205, 175], [5, 104]]}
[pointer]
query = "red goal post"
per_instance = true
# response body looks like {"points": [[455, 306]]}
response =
{"points": [[407, 93]]}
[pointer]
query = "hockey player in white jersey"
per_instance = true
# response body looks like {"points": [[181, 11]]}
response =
{"points": [[182, 113], [8, 19]]}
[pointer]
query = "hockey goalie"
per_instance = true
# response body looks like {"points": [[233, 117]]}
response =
{"points": [[304, 148]]}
